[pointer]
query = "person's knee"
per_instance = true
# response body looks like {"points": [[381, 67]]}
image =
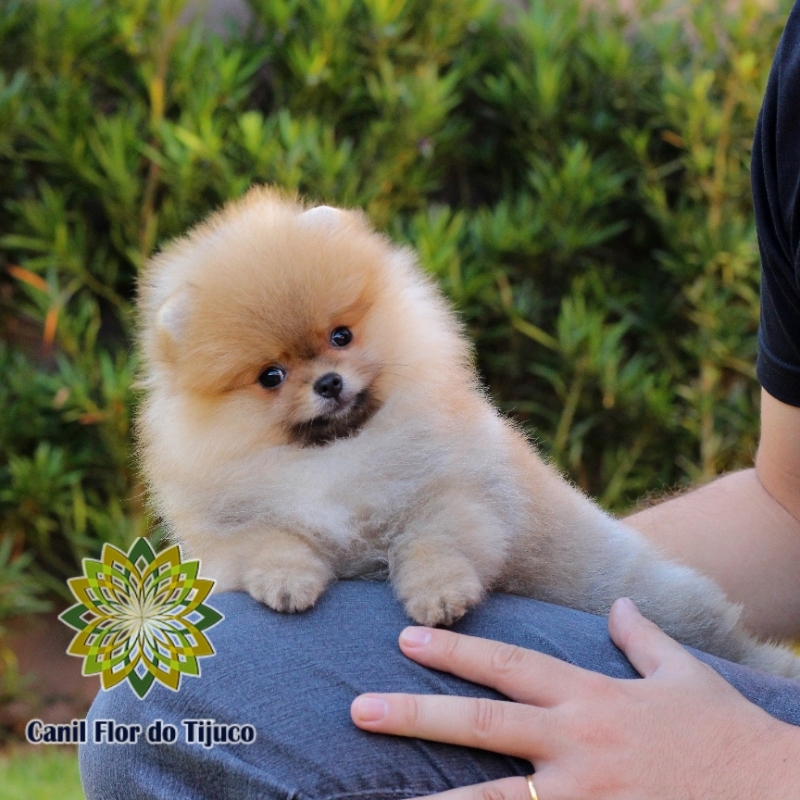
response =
{"points": [[293, 678]]}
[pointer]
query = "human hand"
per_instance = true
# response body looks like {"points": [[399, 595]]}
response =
{"points": [[682, 732]]}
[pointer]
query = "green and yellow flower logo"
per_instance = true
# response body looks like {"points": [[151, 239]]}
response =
{"points": [[140, 617]]}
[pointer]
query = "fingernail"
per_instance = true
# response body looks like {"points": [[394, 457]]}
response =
{"points": [[415, 637], [627, 604], [370, 709]]}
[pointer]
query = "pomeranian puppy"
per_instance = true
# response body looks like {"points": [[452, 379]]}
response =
{"points": [[313, 412]]}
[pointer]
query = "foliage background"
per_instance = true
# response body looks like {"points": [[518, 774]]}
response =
{"points": [[575, 178]]}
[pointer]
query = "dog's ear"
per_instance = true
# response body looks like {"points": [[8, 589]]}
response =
{"points": [[328, 219], [319, 217], [172, 317]]}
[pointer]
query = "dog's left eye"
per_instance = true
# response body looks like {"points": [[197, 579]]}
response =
{"points": [[272, 377], [341, 337]]}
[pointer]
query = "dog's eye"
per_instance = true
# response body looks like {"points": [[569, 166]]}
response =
{"points": [[341, 337], [272, 377]]}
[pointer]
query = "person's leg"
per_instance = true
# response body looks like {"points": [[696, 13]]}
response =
{"points": [[294, 676]]}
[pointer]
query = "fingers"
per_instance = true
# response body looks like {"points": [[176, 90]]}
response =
{"points": [[505, 789], [523, 675], [647, 647], [494, 725]]}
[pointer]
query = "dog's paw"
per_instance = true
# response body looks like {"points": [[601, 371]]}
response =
{"points": [[288, 588], [440, 592], [443, 607]]}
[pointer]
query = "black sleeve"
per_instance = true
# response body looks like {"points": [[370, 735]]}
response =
{"points": [[776, 198]]}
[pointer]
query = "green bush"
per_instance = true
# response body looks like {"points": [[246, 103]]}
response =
{"points": [[577, 181]]}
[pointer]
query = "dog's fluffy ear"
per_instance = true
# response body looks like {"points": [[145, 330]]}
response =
{"points": [[322, 217], [327, 219], [173, 315]]}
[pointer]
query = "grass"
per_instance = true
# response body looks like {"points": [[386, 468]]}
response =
{"points": [[40, 773]]}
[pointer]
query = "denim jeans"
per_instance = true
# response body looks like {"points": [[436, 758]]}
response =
{"points": [[293, 678]]}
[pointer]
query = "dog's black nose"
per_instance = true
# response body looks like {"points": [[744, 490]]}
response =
{"points": [[329, 385]]}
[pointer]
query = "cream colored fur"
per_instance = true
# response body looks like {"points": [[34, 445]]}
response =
{"points": [[435, 488]]}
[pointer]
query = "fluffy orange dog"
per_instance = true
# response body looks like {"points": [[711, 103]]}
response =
{"points": [[313, 413]]}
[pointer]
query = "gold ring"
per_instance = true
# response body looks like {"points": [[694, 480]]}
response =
{"points": [[531, 787]]}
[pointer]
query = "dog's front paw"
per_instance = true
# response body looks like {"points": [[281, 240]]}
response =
{"points": [[443, 606], [288, 588], [439, 592]]}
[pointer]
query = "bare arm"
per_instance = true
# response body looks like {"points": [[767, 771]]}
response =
{"points": [[743, 529]]}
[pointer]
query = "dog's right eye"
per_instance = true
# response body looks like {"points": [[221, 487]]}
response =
{"points": [[272, 377]]}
